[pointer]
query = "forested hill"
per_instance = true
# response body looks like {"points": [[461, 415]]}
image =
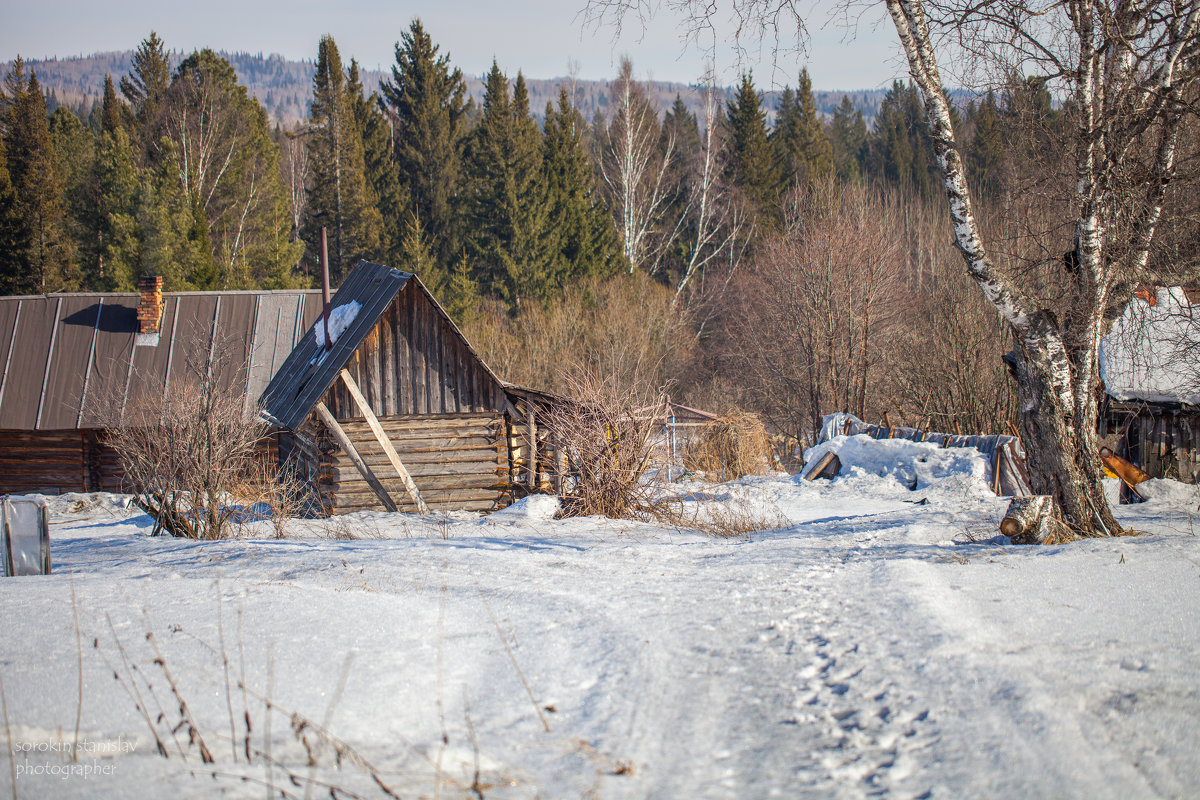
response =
{"points": [[285, 87]]}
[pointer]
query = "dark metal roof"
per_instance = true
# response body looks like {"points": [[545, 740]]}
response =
{"points": [[66, 356], [309, 371]]}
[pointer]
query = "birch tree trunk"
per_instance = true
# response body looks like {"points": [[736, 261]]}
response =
{"points": [[1120, 110]]}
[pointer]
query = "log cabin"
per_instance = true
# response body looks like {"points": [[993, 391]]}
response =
{"points": [[72, 361], [395, 410]]}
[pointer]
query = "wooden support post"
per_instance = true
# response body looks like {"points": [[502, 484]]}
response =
{"points": [[560, 470], [340, 435], [531, 432], [384, 442]]}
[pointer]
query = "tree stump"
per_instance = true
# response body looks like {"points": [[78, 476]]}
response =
{"points": [[1029, 520]]}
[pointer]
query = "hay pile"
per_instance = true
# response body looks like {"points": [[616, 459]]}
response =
{"points": [[734, 446]]}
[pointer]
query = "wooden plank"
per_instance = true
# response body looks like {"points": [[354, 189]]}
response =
{"points": [[361, 496], [384, 442], [416, 321], [387, 352], [403, 356], [531, 433], [348, 446], [435, 424]]}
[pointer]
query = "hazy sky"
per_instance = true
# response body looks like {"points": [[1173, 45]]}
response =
{"points": [[541, 37]]}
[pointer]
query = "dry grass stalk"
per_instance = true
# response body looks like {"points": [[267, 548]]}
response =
{"points": [[733, 447], [735, 516]]}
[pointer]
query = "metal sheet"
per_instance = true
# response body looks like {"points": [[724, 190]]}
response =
{"points": [[308, 371], [149, 368], [9, 317], [27, 367], [76, 328], [233, 337], [110, 361]]}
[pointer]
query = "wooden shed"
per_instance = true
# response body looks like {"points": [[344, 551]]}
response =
{"points": [[69, 358], [1150, 414], [399, 412]]}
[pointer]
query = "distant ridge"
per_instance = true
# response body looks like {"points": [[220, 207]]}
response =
{"points": [[284, 87]]}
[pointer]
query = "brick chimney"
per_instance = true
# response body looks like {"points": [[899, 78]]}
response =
{"points": [[150, 304]]}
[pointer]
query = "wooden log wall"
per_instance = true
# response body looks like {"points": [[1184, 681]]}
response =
{"points": [[458, 461], [49, 462]]}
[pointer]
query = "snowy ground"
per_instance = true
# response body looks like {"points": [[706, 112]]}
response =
{"points": [[866, 646]]}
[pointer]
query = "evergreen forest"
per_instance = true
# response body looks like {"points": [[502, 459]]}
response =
{"points": [[743, 251]]}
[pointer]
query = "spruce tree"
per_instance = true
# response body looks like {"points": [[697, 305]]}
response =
{"points": [[75, 157], [117, 235], [339, 199], [169, 246], [900, 149], [802, 150], [428, 99], [145, 86], [15, 277], [506, 195], [34, 173], [585, 239], [986, 152], [848, 137], [383, 177], [751, 166], [112, 111]]}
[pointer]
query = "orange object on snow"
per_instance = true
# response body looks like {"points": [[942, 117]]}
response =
{"points": [[1127, 471]]}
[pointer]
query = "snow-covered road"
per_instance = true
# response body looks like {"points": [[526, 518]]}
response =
{"points": [[870, 647]]}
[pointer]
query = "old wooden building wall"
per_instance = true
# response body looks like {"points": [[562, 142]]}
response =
{"points": [[57, 462], [413, 362], [1164, 440], [457, 461]]}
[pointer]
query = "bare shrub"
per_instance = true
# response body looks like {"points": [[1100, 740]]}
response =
{"points": [[607, 447], [192, 454], [733, 447]]}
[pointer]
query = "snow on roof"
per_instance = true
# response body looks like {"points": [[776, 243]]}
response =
{"points": [[1153, 351]]}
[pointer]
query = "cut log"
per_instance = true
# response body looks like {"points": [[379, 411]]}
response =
{"points": [[384, 442], [828, 466], [1029, 520], [347, 445]]}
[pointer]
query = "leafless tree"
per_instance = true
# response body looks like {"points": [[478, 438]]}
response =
{"points": [[721, 227], [1129, 73], [294, 164], [804, 324], [634, 167], [605, 435]]}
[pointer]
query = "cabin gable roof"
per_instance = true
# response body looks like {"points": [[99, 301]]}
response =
{"points": [[310, 371]]}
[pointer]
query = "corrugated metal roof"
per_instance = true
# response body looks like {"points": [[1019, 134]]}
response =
{"points": [[309, 371], [66, 356]]}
